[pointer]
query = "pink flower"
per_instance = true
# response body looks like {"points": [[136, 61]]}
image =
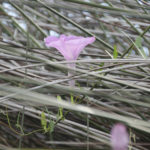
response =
{"points": [[69, 46], [119, 137]]}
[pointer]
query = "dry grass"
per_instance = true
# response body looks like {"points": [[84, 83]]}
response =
{"points": [[108, 90]]}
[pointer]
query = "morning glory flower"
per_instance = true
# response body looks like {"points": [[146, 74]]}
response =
{"points": [[69, 46], [119, 137]]}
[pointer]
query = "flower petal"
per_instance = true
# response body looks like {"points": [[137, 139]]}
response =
{"points": [[77, 44], [69, 46], [119, 137], [55, 42], [48, 40]]}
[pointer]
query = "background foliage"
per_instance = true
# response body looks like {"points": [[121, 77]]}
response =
{"points": [[38, 109]]}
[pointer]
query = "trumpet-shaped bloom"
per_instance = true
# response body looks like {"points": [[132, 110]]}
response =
{"points": [[119, 137], [69, 46]]}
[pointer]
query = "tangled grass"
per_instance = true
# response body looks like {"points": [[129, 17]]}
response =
{"points": [[38, 109]]}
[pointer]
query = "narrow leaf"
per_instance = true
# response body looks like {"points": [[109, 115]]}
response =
{"points": [[44, 121], [115, 53], [138, 44]]}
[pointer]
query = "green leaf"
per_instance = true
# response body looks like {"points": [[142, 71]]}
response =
{"points": [[72, 99], [51, 126], [44, 121], [60, 112], [101, 65], [115, 53], [138, 44], [18, 120], [59, 97]]}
